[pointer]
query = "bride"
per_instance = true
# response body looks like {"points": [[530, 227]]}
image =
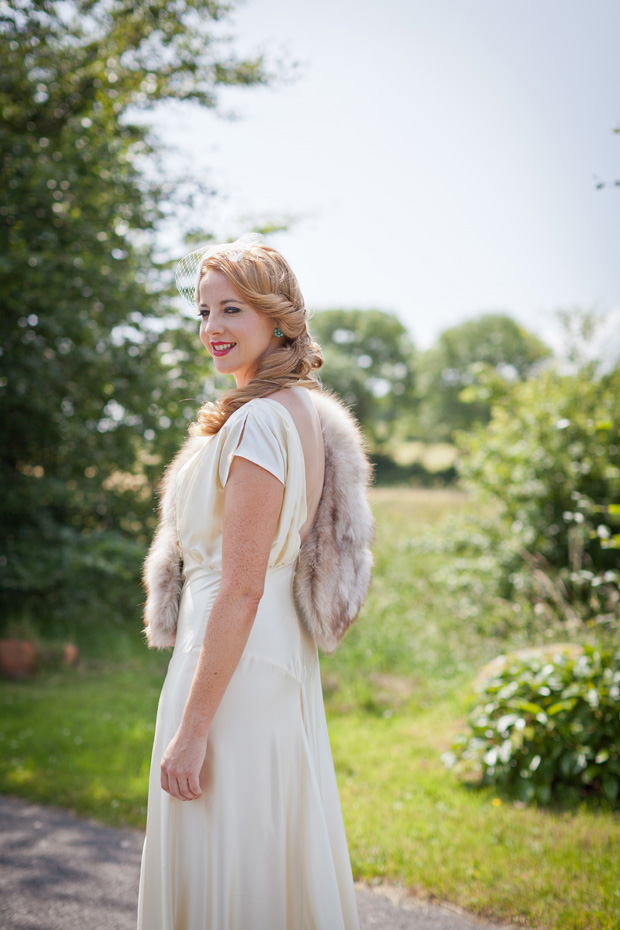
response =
{"points": [[262, 552]]}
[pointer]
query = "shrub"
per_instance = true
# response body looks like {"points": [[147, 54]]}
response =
{"points": [[547, 727], [71, 585], [549, 464]]}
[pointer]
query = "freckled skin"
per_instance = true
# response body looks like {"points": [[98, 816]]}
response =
{"points": [[252, 503]]}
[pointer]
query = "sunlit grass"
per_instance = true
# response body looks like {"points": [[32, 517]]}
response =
{"points": [[433, 456], [409, 823], [396, 692], [82, 739], [407, 627]]}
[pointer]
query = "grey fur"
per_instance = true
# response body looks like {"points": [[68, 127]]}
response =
{"points": [[162, 574], [335, 563]]}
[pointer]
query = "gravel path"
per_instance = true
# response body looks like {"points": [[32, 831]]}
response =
{"points": [[61, 873]]}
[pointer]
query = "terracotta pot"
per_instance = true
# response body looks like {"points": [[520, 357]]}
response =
{"points": [[18, 658], [71, 654]]}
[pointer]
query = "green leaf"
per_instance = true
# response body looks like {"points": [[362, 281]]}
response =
{"points": [[530, 708], [525, 790], [568, 764], [543, 793], [560, 706], [589, 774], [611, 784]]}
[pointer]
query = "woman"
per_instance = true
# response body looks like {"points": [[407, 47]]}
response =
{"points": [[244, 828]]}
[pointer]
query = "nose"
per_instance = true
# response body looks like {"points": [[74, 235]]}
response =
{"points": [[213, 325]]}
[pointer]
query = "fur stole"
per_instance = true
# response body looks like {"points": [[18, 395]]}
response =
{"points": [[333, 571]]}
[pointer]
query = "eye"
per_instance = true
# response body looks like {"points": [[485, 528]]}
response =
{"points": [[203, 314], [232, 310]]}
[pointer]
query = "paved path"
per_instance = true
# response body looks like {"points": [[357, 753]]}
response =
{"points": [[61, 873]]}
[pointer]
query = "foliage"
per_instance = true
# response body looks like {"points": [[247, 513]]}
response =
{"points": [[388, 472], [579, 329], [89, 388], [549, 463], [369, 362], [547, 727], [493, 341]]}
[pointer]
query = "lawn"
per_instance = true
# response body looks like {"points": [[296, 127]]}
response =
{"points": [[396, 692]]}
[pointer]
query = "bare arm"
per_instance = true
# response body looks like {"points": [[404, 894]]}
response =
{"points": [[252, 504]]}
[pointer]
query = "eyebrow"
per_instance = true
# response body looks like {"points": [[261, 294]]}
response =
{"points": [[227, 300]]}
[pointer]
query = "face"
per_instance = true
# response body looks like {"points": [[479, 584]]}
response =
{"points": [[234, 333]]}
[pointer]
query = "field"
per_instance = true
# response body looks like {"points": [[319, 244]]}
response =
{"points": [[396, 692]]}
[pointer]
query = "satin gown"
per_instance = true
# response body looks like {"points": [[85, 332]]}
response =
{"points": [[264, 847]]}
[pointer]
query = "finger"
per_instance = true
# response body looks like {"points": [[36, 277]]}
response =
{"points": [[180, 788], [175, 788], [193, 785], [191, 788], [170, 783]]}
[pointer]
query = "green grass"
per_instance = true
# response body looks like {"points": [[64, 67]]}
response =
{"points": [[396, 692], [82, 738], [409, 627], [408, 823]]}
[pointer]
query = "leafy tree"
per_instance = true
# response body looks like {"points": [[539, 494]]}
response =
{"points": [[369, 361], [89, 376], [549, 462], [460, 355]]}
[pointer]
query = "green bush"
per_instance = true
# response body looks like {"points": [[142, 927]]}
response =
{"points": [[547, 728], [71, 585], [548, 463]]}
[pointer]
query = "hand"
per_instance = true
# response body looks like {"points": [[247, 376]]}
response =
{"points": [[181, 765]]}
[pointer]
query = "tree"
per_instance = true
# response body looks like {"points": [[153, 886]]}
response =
{"points": [[549, 462], [491, 341], [88, 380], [369, 362]]}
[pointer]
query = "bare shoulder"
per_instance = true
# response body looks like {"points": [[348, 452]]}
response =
{"points": [[299, 404]]}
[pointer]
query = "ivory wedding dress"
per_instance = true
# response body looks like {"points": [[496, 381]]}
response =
{"points": [[264, 847]]}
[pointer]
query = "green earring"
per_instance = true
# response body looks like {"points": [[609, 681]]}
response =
{"points": [[278, 332]]}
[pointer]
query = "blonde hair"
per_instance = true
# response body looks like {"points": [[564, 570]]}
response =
{"points": [[264, 279]]}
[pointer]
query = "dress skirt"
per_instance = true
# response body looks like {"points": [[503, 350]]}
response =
{"points": [[264, 847]]}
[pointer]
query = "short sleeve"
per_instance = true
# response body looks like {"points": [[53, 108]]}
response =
{"points": [[257, 435]]}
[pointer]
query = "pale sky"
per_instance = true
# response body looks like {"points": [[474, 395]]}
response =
{"points": [[439, 157]]}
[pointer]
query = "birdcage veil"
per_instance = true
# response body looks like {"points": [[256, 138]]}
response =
{"points": [[186, 274]]}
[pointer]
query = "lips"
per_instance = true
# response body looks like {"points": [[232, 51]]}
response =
{"points": [[219, 349]]}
